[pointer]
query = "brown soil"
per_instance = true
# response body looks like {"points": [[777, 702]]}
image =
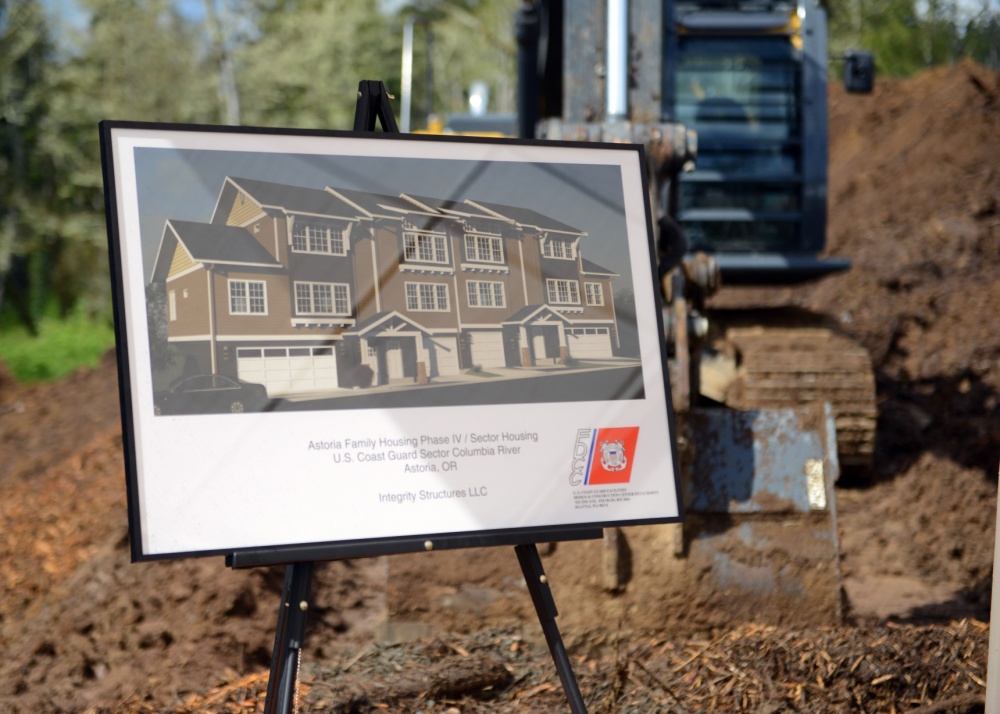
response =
{"points": [[915, 203]]}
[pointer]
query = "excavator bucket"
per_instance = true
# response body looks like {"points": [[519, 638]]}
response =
{"points": [[761, 514]]}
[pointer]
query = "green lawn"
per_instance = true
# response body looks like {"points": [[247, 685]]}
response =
{"points": [[61, 346]]}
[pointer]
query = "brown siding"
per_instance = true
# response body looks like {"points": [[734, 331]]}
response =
{"points": [[192, 311], [364, 274], [533, 269], [515, 284], [277, 321], [597, 312], [263, 230], [513, 293]]}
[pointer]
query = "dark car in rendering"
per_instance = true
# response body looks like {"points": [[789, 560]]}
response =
{"points": [[210, 394]]}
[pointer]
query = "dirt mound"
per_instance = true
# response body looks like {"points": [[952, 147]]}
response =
{"points": [[914, 202]]}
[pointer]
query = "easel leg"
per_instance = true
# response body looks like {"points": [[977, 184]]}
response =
{"points": [[288, 639], [545, 606]]}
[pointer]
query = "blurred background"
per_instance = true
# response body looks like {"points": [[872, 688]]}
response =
{"points": [[67, 64]]}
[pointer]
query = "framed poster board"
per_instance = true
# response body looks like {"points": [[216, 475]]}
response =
{"points": [[336, 344]]}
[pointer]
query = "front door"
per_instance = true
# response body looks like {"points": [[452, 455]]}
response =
{"points": [[538, 345], [394, 359]]}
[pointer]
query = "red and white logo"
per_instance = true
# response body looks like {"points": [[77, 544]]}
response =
{"points": [[603, 456]]}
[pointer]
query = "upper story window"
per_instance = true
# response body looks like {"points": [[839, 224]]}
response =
{"points": [[427, 297], [322, 299], [594, 293], [318, 238], [425, 247], [563, 292], [483, 248], [247, 297], [557, 249], [483, 293]]}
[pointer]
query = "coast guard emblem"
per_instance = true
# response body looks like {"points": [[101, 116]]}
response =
{"points": [[613, 456], [603, 456]]}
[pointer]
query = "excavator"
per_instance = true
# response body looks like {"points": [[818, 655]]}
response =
{"points": [[729, 98]]}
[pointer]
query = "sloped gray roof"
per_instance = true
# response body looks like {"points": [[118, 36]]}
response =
{"points": [[296, 199], [462, 208], [528, 217], [592, 268], [209, 243], [374, 203]]}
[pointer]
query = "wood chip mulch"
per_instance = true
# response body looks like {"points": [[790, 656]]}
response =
{"points": [[938, 669]]}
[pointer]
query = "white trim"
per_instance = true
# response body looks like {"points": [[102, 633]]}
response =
{"points": [[554, 283], [492, 283], [345, 238], [262, 214], [425, 268], [375, 270], [246, 282], [159, 248], [476, 236], [598, 290], [323, 321], [190, 338], [276, 338], [421, 233], [485, 268], [312, 299], [186, 271], [496, 326], [419, 298], [212, 337]]}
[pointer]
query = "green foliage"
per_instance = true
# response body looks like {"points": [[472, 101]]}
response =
{"points": [[61, 345], [907, 36], [277, 63], [304, 67], [473, 41]]}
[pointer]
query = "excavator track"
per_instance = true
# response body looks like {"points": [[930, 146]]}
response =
{"points": [[790, 366]]}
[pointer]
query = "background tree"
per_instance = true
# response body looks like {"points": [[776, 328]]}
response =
{"points": [[25, 50], [303, 67]]}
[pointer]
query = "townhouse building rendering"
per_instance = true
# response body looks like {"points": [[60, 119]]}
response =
{"points": [[311, 289]]}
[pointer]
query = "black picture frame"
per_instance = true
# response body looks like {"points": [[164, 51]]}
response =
{"points": [[514, 372]]}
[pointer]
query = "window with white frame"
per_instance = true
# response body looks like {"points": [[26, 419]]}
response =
{"points": [[595, 293], [483, 293], [563, 292], [427, 297], [318, 238], [322, 299], [247, 297], [424, 247], [558, 249], [483, 248], [172, 305]]}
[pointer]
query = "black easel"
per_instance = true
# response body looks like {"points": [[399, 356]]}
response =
{"points": [[282, 686]]}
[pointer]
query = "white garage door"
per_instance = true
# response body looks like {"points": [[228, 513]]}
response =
{"points": [[445, 351], [284, 370], [592, 342], [487, 349]]}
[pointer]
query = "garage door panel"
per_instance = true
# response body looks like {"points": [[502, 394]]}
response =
{"points": [[589, 342], [289, 370], [487, 349]]}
